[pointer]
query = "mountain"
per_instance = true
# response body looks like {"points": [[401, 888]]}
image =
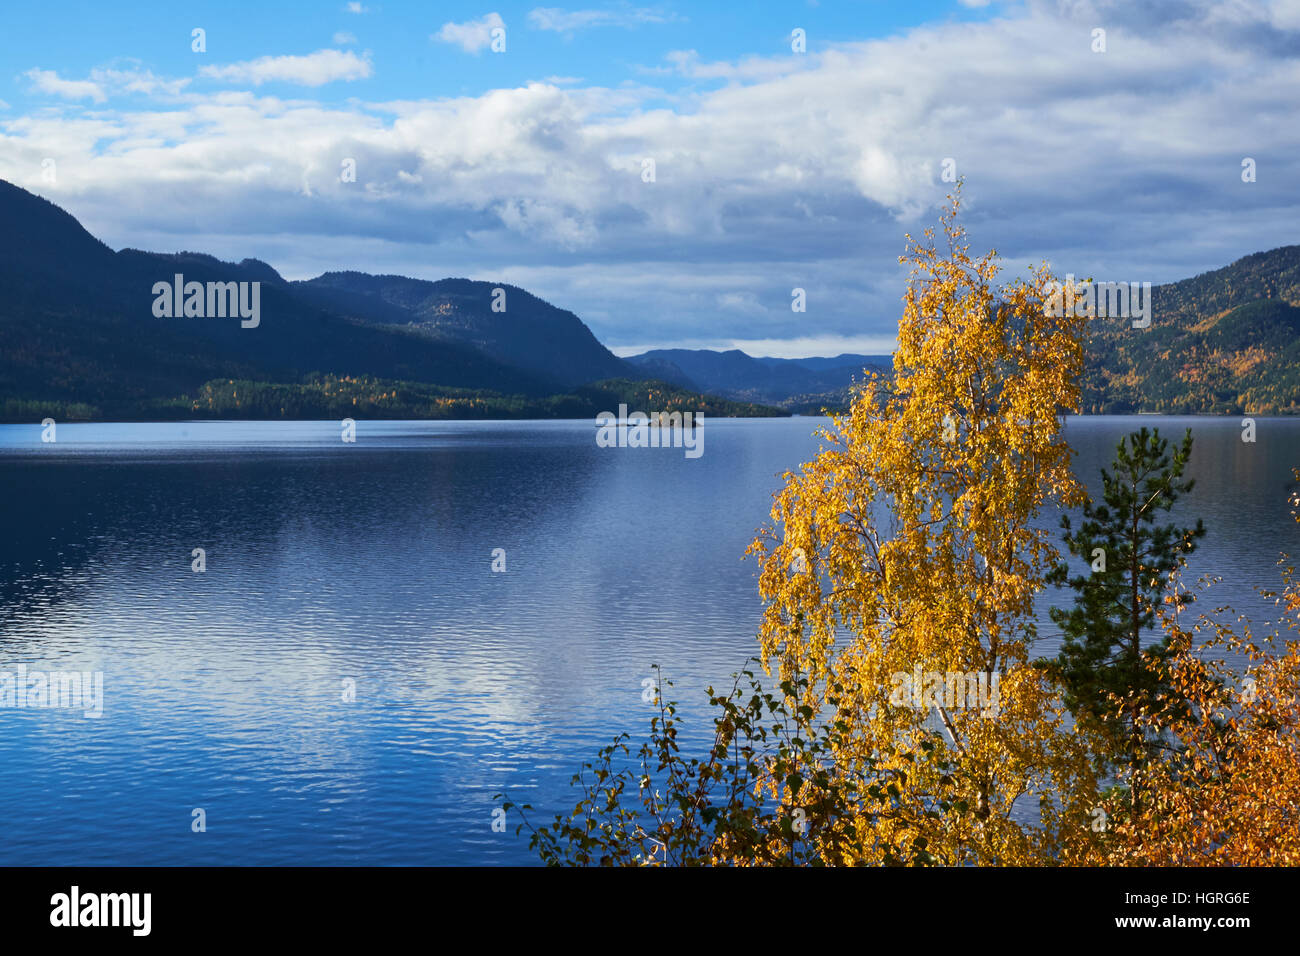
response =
{"points": [[79, 339], [798, 384], [1223, 342], [77, 326], [525, 332], [843, 360]]}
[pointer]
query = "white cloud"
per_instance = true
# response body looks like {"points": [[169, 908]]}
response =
{"points": [[354, 7], [314, 69], [105, 81], [343, 38], [568, 21], [137, 80], [49, 81], [1285, 14], [471, 36]]}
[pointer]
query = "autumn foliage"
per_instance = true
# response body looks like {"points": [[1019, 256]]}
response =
{"points": [[1225, 790], [911, 548], [916, 526]]}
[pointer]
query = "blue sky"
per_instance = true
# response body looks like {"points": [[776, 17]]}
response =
{"points": [[596, 44], [773, 169]]}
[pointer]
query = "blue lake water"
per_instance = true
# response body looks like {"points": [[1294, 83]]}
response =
{"points": [[371, 563]]}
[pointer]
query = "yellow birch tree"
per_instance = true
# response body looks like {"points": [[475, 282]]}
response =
{"points": [[908, 548]]}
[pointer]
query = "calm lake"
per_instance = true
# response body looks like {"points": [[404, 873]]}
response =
{"points": [[370, 565]]}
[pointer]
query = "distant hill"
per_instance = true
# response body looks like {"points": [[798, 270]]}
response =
{"points": [[798, 384], [530, 334], [844, 360], [1224, 342]]}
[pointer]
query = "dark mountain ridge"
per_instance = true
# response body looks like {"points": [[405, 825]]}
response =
{"points": [[801, 384], [523, 330], [78, 335], [77, 327], [80, 339]]}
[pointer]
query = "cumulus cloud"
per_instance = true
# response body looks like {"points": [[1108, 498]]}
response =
{"points": [[771, 173], [49, 81], [125, 76], [471, 36], [314, 69]]}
